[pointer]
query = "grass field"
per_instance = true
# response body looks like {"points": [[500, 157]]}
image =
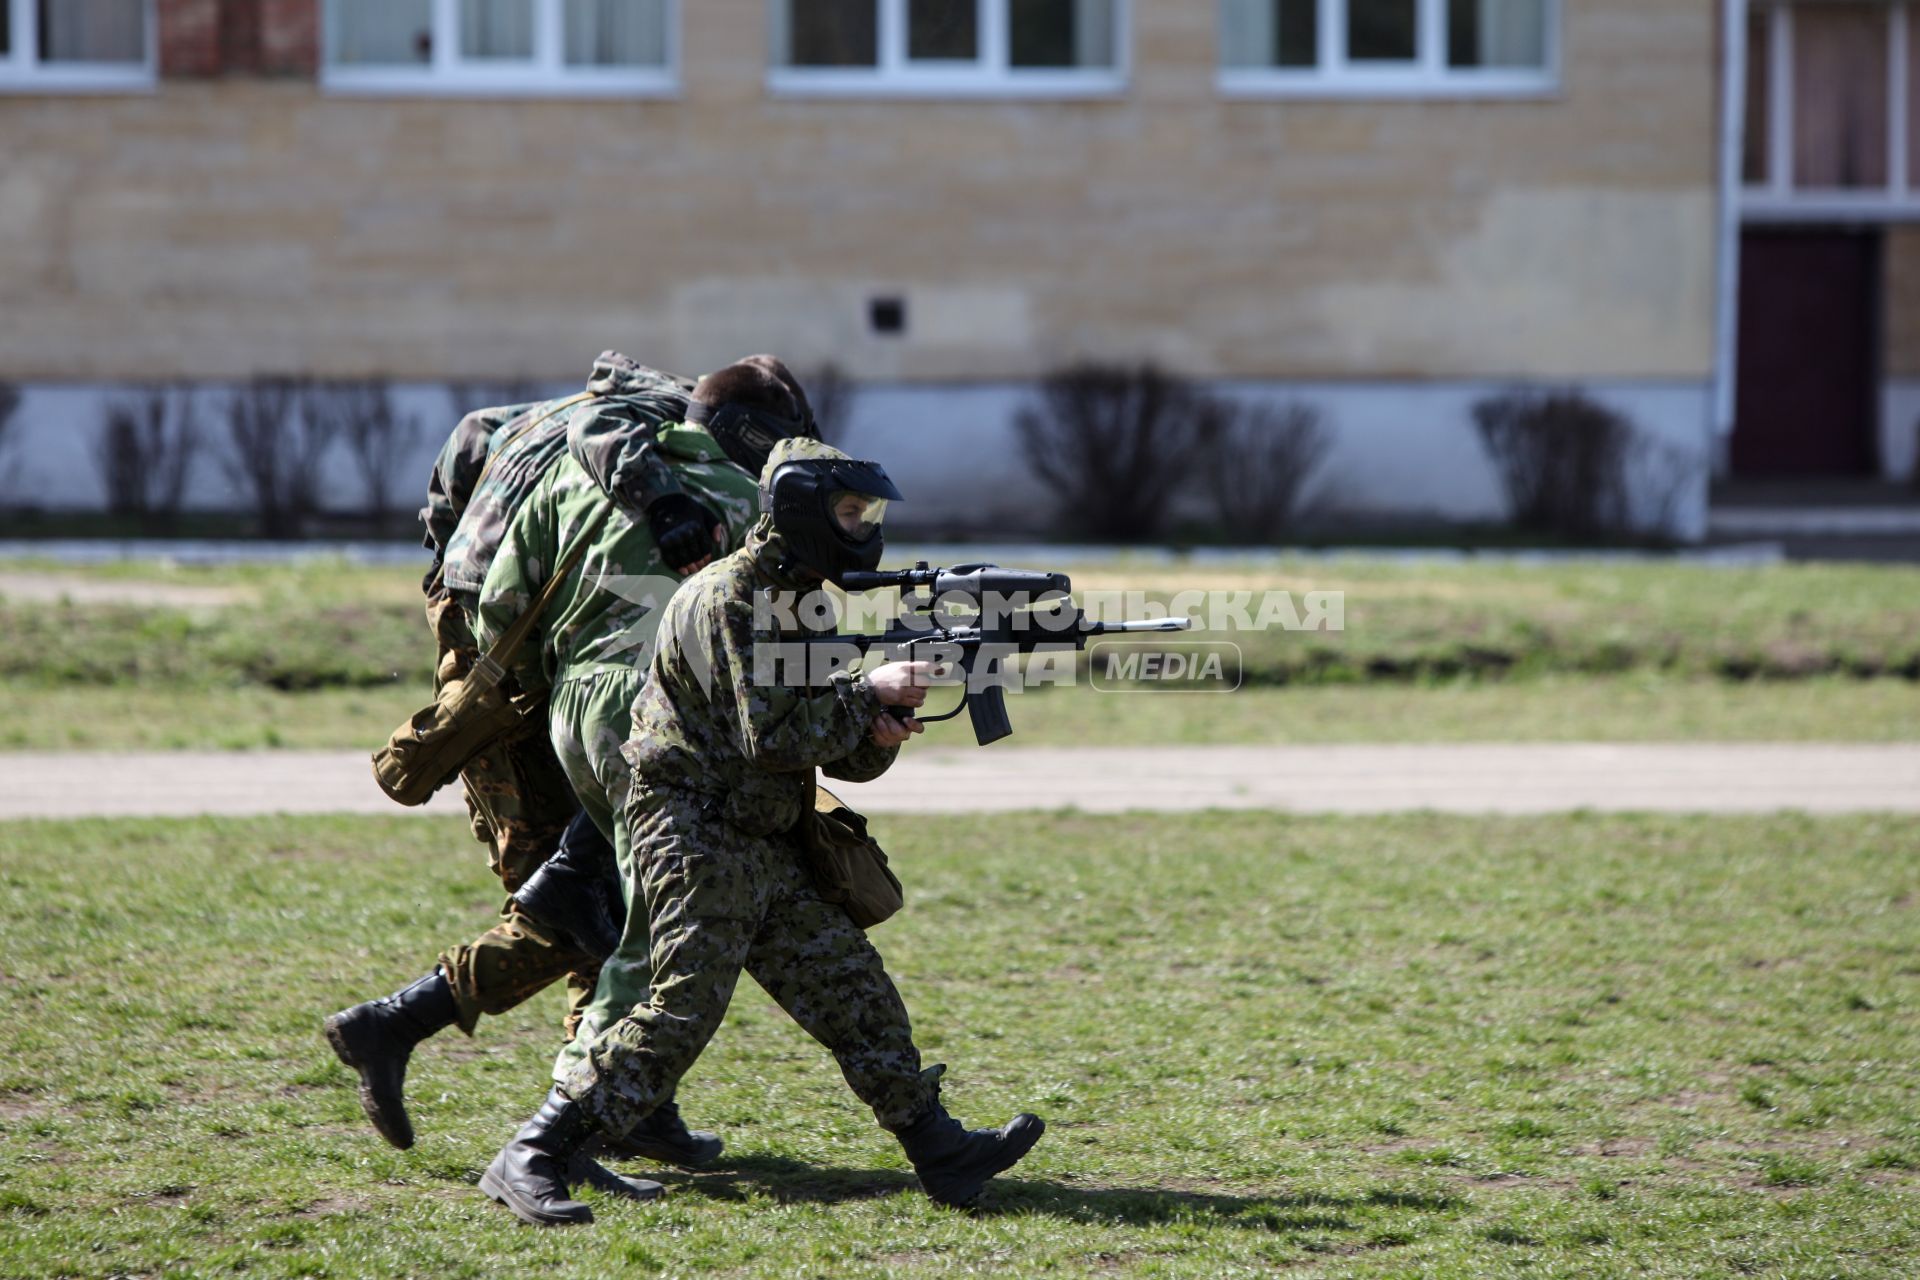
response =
{"points": [[325, 624], [1630, 708], [324, 654], [1406, 1046]]}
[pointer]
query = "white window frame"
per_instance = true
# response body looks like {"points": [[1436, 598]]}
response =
{"points": [[21, 70], [992, 75], [1426, 75], [1777, 199], [547, 75]]}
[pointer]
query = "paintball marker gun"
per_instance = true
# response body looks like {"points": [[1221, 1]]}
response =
{"points": [[1002, 613]]}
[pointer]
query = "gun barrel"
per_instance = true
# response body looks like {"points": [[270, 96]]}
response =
{"points": [[1141, 625], [972, 580], [903, 578]]}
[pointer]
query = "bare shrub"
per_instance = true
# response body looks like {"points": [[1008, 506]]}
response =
{"points": [[1116, 444], [1562, 458], [360, 413], [1257, 473], [144, 451], [1666, 474], [274, 453], [830, 394]]}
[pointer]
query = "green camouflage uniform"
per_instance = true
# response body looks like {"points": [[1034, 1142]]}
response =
{"points": [[720, 772], [519, 798], [601, 622], [611, 435], [594, 642]]}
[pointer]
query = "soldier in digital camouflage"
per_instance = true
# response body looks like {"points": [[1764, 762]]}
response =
{"points": [[519, 794], [721, 771]]}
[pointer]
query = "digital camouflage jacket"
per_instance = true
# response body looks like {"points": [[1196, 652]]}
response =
{"points": [[611, 434], [700, 725], [606, 611]]}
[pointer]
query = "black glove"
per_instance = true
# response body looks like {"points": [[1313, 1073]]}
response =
{"points": [[683, 530]]}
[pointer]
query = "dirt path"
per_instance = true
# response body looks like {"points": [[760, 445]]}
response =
{"points": [[1333, 779], [52, 588]]}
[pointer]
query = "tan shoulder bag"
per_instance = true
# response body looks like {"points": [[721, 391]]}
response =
{"points": [[849, 867], [470, 713]]}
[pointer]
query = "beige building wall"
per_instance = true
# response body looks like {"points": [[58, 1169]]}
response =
{"points": [[217, 229]]}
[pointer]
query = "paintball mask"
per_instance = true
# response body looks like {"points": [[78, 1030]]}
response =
{"points": [[829, 511], [748, 433]]}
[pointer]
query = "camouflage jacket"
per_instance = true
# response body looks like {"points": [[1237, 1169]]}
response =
{"points": [[606, 611], [615, 429], [701, 725], [454, 472]]}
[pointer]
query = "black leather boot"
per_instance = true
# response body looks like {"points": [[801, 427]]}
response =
{"points": [[530, 1175], [577, 890], [584, 1171], [376, 1038], [663, 1138], [954, 1163]]}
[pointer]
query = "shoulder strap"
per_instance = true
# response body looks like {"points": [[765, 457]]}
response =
{"points": [[525, 427], [491, 668]]}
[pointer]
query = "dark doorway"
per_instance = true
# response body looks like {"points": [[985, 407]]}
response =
{"points": [[1808, 383]]}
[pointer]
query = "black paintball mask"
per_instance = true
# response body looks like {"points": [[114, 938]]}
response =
{"points": [[747, 433], [829, 511]]}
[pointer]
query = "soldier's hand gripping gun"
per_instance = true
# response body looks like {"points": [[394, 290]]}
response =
{"points": [[980, 617]]}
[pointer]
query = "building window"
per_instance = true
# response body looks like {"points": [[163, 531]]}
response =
{"points": [[1387, 47], [488, 47], [85, 45], [1382, 31], [1832, 112], [947, 47]]}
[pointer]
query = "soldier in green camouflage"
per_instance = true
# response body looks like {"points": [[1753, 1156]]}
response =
{"points": [[595, 638], [720, 779], [519, 795]]}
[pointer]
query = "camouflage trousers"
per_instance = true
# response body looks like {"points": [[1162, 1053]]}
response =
{"points": [[719, 901], [588, 722], [591, 715], [518, 804]]}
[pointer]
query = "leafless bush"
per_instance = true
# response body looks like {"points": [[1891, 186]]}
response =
{"points": [[360, 413], [144, 451], [274, 453], [1563, 460], [830, 393], [1666, 475], [1116, 444], [1258, 472]]}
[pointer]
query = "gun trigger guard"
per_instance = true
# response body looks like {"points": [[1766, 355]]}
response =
{"points": [[945, 715]]}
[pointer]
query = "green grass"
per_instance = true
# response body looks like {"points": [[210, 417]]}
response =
{"points": [[138, 717], [1420, 621], [325, 654], [325, 624], [1407, 1046], [1633, 708]]}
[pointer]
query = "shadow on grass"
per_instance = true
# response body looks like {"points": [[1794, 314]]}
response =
{"points": [[792, 1181]]}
